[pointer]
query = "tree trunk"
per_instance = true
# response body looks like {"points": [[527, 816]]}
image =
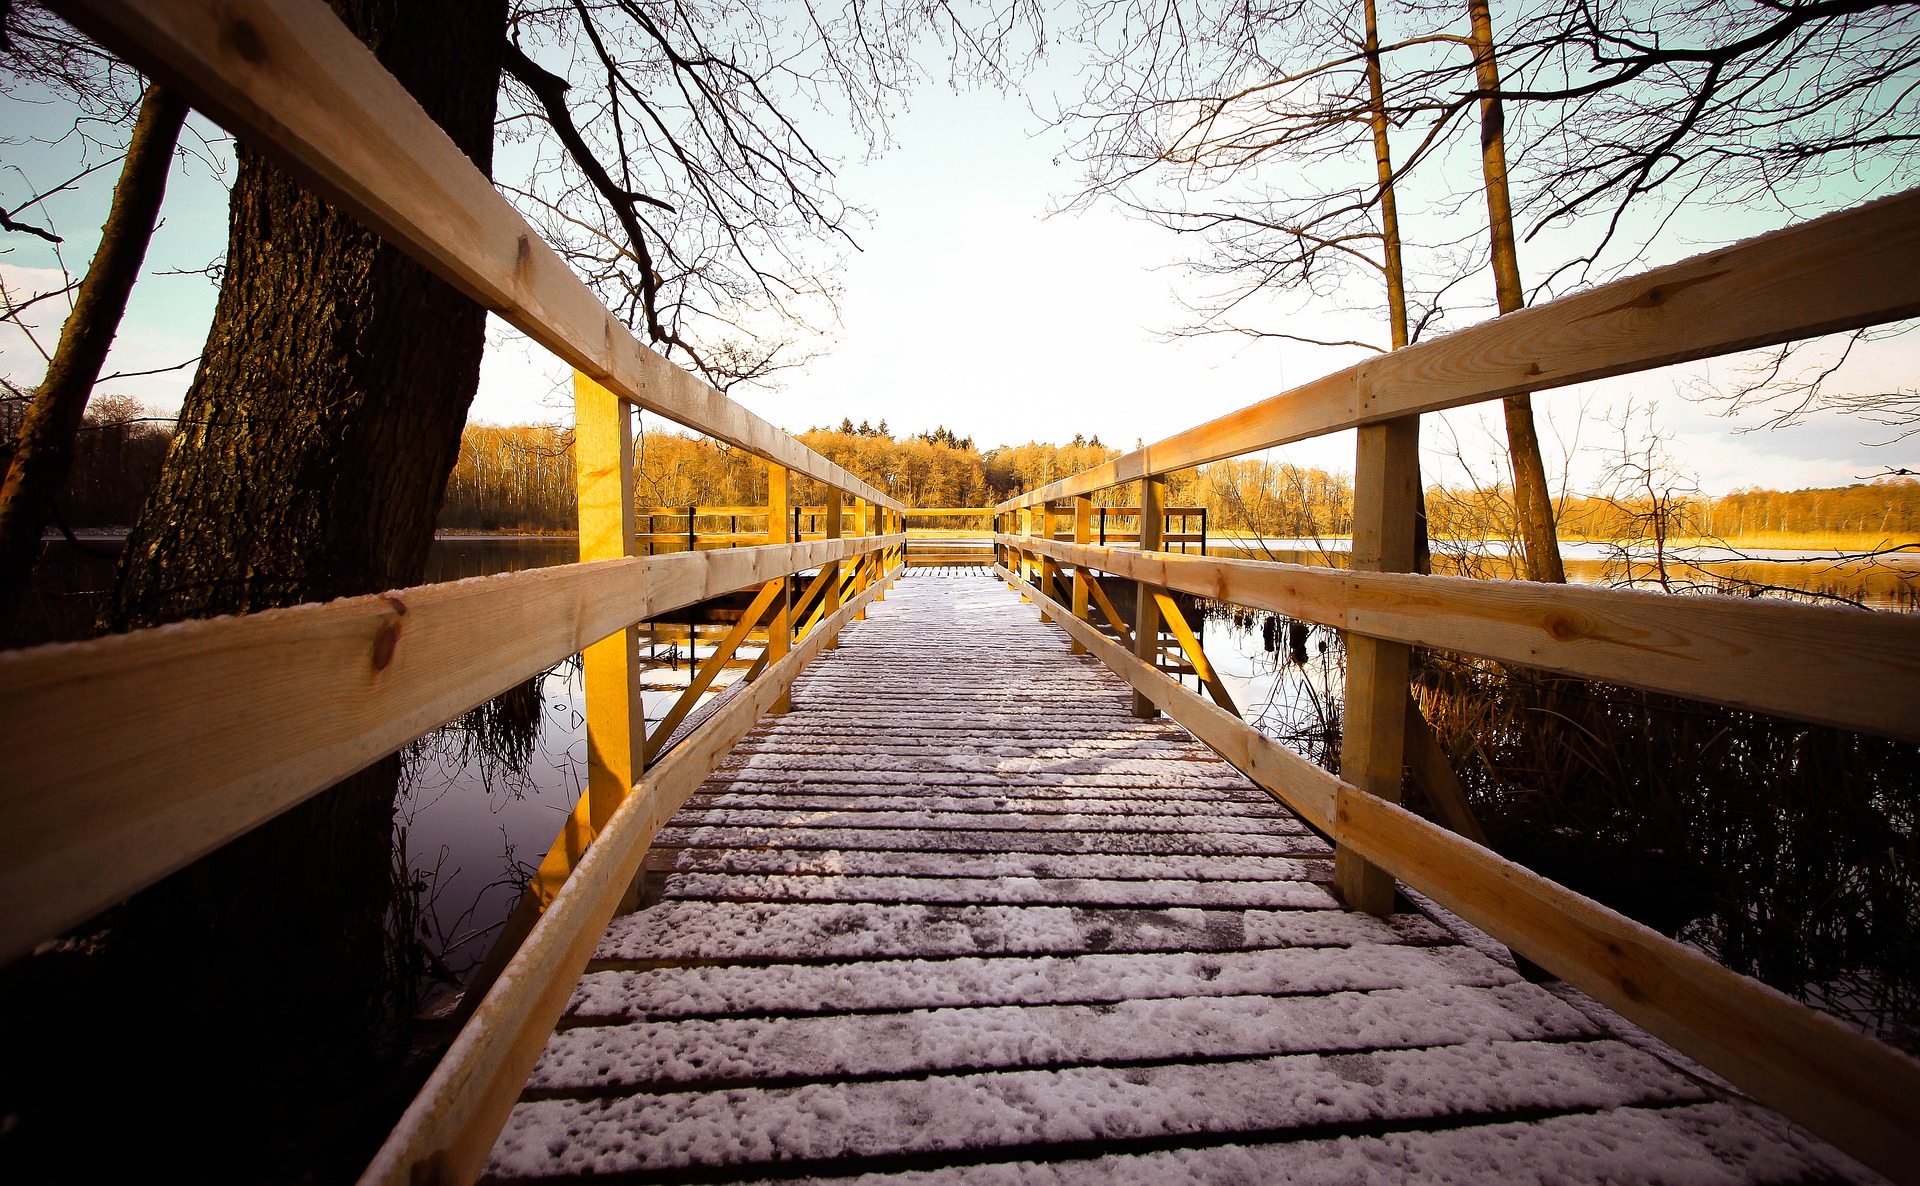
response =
{"points": [[1532, 501], [44, 452], [311, 458]]}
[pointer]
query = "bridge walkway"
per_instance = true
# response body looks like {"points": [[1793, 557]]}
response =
{"points": [[960, 916]]}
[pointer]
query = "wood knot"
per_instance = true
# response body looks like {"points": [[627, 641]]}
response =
{"points": [[246, 41], [1561, 627], [388, 640], [1653, 296]]}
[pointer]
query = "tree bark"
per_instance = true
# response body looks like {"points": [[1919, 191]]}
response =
{"points": [[1532, 502], [310, 462], [43, 454]]}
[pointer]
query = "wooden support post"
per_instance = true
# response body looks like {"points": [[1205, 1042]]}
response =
{"points": [[1043, 566], [616, 723], [1386, 482], [863, 567], [1146, 611], [1082, 533], [832, 606], [780, 531]]}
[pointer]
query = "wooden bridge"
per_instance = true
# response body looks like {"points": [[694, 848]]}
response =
{"points": [[973, 891]]}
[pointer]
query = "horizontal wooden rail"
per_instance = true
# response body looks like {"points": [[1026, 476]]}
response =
{"points": [[1860, 1094], [914, 512], [1840, 272], [446, 1134], [240, 718], [287, 78], [1829, 665]]}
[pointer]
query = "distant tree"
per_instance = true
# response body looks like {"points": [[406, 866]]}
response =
{"points": [[846, 425]]}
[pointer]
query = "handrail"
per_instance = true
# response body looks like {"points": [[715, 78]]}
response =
{"points": [[1849, 269], [1859, 1093], [239, 718], [288, 78], [1852, 669]]}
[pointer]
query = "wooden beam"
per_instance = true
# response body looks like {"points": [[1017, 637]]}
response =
{"points": [[703, 677], [446, 1133], [1848, 668], [1108, 609], [179, 738], [610, 677], [287, 78], [1082, 534], [1858, 1093], [1427, 758], [1373, 724], [1190, 646], [780, 531], [1834, 273], [1146, 614], [835, 514]]}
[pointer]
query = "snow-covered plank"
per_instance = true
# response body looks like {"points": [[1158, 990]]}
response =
{"points": [[817, 930], [884, 863], [797, 989], [682, 1055], [1080, 1105], [1713, 1144], [1000, 891], [1113, 841]]}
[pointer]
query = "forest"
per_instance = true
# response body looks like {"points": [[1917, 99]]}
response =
{"points": [[520, 479]]}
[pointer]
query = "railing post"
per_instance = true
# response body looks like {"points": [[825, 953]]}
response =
{"points": [[616, 726], [1043, 566], [1146, 612], [863, 567], [1386, 482], [1082, 533], [780, 531], [834, 510]]}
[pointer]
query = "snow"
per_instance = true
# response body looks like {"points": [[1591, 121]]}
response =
{"points": [[1022, 1109], [926, 983], [962, 918]]}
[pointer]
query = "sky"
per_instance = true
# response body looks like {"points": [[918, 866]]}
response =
{"points": [[968, 306]]}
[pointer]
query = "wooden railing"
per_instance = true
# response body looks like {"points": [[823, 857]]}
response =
{"points": [[178, 739], [1845, 668]]}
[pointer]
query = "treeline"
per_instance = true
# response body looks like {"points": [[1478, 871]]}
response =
{"points": [[520, 478]]}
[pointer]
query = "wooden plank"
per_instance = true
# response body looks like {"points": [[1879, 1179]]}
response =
{"points": [[1858, 1093], [1043, 567], [241, 718], [1146, 614], [445, 1134], [1373, 725], [1834, 273], [288, 79], [1196, 655], [1849, 668]]}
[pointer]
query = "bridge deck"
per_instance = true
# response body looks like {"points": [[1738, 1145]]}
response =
{"points": [[960, 916]]}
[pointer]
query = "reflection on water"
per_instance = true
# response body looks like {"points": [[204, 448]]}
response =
{"points": [[484, 797]]}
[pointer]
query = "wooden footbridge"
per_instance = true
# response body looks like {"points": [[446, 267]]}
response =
{"points": [[969, 890]]}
